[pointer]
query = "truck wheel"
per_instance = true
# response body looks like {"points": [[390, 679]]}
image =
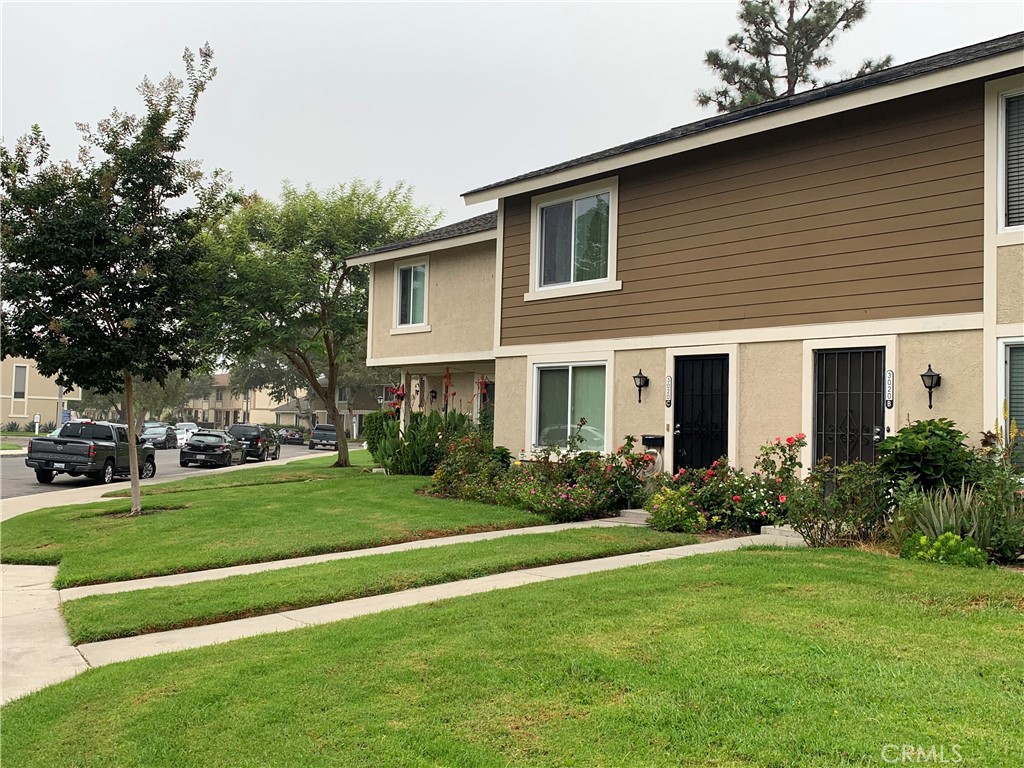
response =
{"points": [[183, 463], [311, 445], [148, 469], [107, 475], [44, 476]]}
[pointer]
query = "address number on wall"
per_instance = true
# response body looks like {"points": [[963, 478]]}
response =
{"points": [[668, 391]]}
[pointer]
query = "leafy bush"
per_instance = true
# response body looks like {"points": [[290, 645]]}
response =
{"points": [[373, 429], [676, 509], [47, 427], [948, 548], [420, 447], [839, 505], [13, 426], [471, 469], [1001, 489], [930, 453]]}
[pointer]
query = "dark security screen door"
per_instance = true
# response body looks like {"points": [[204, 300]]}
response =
{"points": [[701, 410], [849, 407]]}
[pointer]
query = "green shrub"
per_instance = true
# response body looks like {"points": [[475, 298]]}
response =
{"points": [[373, 429], [931, 453], [47, 427], [471, 469], [419, 448], [953, 510], [948, 548], [1001, 491], [676, 508], [836, 506], [13, 426]]}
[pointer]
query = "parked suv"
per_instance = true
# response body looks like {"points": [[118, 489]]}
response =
{"points": [[324, 436], [258, 442]]}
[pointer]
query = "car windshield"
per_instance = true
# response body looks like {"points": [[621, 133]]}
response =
{"points": [[155, 431], [87, 431], [239, 431], [324, 428], [205, 437]]}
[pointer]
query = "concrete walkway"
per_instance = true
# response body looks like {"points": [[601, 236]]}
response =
{"points": [[37, 651]]}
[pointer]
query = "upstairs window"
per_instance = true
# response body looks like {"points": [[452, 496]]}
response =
{"points": [[412, 294], [574, 240], [1014, 174]]}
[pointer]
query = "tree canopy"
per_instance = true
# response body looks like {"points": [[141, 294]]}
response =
{"points": [[101, 255], [779, 50], [285, 285]]}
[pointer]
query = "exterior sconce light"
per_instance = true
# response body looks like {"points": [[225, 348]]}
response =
{"points": [[433, 396], [640, 381], [380, 401], [931, 380]]}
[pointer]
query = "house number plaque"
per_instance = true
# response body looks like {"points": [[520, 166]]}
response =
{"points": [[890, 389], [668, 391]]}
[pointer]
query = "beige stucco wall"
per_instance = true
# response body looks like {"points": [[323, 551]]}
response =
{"points": [[40, 394], [460, 305], [769, 395], [462, 394], [957, 355], [510, 403], [629, 417], [1010, 284]]}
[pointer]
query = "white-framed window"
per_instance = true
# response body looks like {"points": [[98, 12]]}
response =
{"points": [[1012, 160], [411, 297], [19, 392], [1011, 387], [565, 395], [574, 241]]}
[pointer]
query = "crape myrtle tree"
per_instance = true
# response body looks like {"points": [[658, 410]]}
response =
{"points": [[780, 47], [100, 255], [285, 285]]}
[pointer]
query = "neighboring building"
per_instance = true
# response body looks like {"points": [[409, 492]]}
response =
{"points": [[220, 407], [791, 267], [24, 392]]}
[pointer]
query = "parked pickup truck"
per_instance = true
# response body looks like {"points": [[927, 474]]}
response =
{"points": [[96, 449]]}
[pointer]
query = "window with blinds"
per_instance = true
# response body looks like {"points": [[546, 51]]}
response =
{"points": [[1015, 383], [1014, 143]]}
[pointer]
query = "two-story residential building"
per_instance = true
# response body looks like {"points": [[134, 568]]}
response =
{"points": [[790, 267], [24, 392]]}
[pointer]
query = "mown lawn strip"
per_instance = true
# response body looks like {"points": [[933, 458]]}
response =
{"points": [[802, 658], [218, 527], [103, 617]]}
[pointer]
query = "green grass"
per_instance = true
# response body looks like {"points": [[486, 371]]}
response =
{"points": [[754, 658], [212, 527], [10, 446], [102, 617]]}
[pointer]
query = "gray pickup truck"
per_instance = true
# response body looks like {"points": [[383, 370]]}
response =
{"points": [[96, 449]]}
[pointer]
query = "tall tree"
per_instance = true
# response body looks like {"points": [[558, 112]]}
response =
{"points": [[781, 46], [286, 285], [100, 255]]}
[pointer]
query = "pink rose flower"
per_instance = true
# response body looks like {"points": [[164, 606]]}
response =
{"points": [[790, 440], [735, 498], [782, 499]]}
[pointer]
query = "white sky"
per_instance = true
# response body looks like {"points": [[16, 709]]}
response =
{"points": [[446, 96]]}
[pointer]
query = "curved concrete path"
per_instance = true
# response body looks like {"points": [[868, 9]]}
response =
{"points": [[37, 651]]}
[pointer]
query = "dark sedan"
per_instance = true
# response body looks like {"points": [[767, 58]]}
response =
{"points": [[212, 448], [289, 436], [161, 436]]}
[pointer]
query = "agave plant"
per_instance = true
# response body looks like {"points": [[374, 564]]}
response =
{"points": [[954, 510]]}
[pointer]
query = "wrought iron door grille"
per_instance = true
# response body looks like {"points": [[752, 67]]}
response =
{"points": [[849, 408]]}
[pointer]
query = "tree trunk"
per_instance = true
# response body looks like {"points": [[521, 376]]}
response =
{"points": [[133, 453], [338, 420]]}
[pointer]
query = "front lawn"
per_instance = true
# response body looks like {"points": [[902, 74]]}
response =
{"points": [[751, 658], [101, 617], [317, 511]]}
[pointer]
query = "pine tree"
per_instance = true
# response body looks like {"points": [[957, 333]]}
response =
{"points": [[780, 47]]}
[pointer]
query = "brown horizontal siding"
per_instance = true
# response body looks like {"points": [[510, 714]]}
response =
{"points": [[868, 215]]}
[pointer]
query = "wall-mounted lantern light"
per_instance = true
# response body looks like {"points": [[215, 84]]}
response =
{"points": [[380, 401], [640, 381], [433, 396], [931, 380]]}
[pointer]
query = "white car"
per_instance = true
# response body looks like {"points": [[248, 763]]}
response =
{"points": [[185, 430]]}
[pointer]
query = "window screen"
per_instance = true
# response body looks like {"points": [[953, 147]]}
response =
{"points": [[1015, 161]]}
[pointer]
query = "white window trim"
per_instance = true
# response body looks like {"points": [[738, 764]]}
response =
{"points": [[1001, 379], [19, 401], [539, 362], [397, 328], [1003, 97], [609, 283]]}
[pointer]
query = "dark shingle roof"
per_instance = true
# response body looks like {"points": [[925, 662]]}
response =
{"points": [[917, 68], [480, 223]]}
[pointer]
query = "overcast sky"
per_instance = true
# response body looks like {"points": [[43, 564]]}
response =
{"points": [[446, 96]]}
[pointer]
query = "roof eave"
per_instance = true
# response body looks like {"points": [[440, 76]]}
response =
{"points": [[792, 115], [431, 247]]}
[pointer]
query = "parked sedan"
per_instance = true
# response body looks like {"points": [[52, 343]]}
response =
{"points": [[160, 437], [290, 436], [212, 448]]}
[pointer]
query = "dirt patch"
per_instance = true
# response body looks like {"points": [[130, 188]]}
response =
{"points": [[147, 511]]}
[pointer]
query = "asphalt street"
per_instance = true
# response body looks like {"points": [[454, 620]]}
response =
{"points": [[18, 480]]}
